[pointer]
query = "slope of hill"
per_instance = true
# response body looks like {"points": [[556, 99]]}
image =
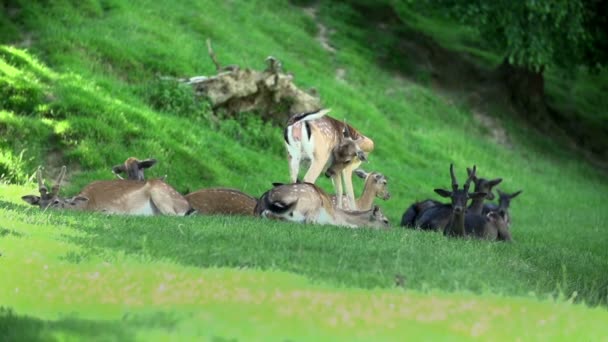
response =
{"points": [[79, 86]]}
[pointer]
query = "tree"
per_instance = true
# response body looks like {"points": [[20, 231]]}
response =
{"points": [[532, 34]]}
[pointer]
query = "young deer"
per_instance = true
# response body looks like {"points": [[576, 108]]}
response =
{"points": [[114, 197], [134, 168], [504, 201], [307, 203], [313, 136], [222, 201], [434, 215], [376, 185], [461, 223]]}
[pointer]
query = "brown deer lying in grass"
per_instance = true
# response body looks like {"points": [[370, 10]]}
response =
{"points": [[504, 202], [313, 137], [307, 203], [462, 224], [376, 185], [221, 201], [131, 197], [434, 215], [134, 168]]}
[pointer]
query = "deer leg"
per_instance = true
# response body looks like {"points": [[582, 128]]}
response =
{"points": [[317, 164], [169, 204], [347, 174], [337, 181]]}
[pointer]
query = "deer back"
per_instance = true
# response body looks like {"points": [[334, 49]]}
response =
{"points": [[222, 201], [134, 197]]}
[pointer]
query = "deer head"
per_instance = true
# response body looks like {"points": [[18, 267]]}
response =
{"points": [[377, 183], [484, 185], [134, 168], [460, 197], [51, 199]]}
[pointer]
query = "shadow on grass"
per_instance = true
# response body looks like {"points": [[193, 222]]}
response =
{"points": [[14, 327]]}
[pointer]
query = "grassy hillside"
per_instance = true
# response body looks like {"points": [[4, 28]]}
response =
{"points": [[79, 86]]}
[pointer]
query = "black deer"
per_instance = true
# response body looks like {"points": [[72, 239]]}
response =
{"points": [[462, 224], [504, 201], [434, 215]]}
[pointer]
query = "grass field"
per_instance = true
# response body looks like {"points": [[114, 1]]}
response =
{"points": [[79, 86]]}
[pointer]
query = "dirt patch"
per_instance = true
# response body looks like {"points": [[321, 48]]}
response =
{"points": [[323, 32]]}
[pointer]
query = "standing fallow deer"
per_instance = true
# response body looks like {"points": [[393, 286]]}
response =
{"points": [[221, 201], [312, 137], [376, 185], [307, 203], [133, 167], [152, 197], [462, 224]]}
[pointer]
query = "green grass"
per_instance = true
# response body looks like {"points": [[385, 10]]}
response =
{"points": [[86, 94], [81, 274]]}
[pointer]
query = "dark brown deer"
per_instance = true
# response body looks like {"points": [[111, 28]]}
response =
{"points": [[434, 215], [482, 185], [504, 202], [134, 168], [460, 224]]}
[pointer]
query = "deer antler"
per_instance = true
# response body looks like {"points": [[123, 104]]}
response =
{"points": [[41, 187], [470, 178], [454, 181], [57, 185]]}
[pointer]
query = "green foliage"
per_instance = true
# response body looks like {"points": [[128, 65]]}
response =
{"points": [[175, 97], [531, 33]]}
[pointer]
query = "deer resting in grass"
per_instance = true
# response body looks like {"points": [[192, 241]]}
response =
{"points": [[130, 197], [222, 201], [133, 167], [462, 224], [376, 185], [504, 201], [307, 203], [434, 215], [313, 137]]}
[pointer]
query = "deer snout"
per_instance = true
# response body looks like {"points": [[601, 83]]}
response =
{"points": [[387, 195], [361, 156], [458, 209]]}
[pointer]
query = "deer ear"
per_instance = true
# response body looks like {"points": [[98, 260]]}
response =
{"points": [[79, 199], [119, 168], [477, 195], [515, 194], [31, 199], [144, 164], [361, 173], [346, 131], [443, 193], [495, 182]]}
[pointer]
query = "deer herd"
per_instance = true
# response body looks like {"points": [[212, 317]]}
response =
{"points": [[323, 144]]}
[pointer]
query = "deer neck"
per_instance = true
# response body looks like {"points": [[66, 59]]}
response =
{"points": [[456, 224], [476, 206], [367, 197], [352, 219]]}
